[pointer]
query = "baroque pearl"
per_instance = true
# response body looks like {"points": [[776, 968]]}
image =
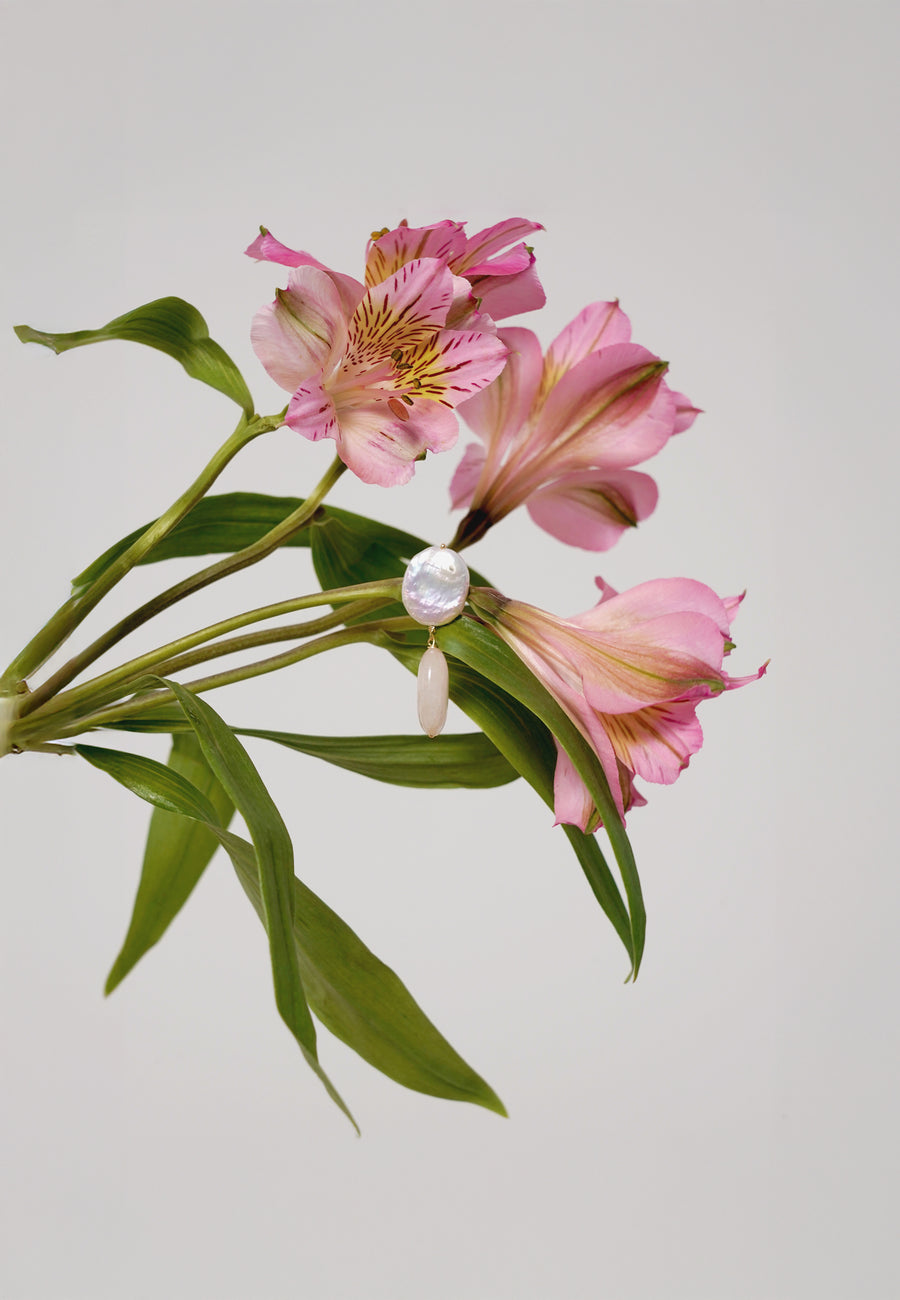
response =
{"points": [[433, 691], [435, 586]]}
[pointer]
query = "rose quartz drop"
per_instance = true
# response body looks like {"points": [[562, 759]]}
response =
{"points": [[433, 691]]}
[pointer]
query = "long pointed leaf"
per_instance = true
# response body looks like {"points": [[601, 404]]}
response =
{"points": [[528, 746], [480, 649], [218, 525], [354, 994], [166, 789], [243, 785], [177, 852], [367, 1006], [420, 762], [170, 325]]}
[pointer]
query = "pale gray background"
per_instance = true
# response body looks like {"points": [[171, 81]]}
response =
{"points": [[724, 1130]]}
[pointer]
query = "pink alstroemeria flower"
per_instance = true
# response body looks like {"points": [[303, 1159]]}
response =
{"points": [[501, 280], [561, 431], [375, 369], [629, 673]]}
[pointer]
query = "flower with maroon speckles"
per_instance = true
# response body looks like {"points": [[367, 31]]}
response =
{"points": [[375, 368], [501, 281]]}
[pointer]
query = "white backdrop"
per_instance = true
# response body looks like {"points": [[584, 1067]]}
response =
{"points": [[726, 1128]]}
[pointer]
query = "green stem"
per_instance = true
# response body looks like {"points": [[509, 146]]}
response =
{"points": [[371, 632], [179, 654], [252, 554], [67, 618]]}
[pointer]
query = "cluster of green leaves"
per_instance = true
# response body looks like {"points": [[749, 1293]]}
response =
{"points": [[320, 967], [209, 774]]}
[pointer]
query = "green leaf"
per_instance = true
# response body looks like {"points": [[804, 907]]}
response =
{"points": [[476, 646], [353, 993], [161, 786], [172, 326], [528, 746], [219, 525], [366, 1005], [275, 855], [177, 852], [445, 762]]}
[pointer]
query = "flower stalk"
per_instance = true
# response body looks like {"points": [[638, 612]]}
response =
{"points": [[364, 632], [67, 618], [242, 559], [65, 709]]}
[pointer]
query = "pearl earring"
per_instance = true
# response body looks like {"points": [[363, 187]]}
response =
{"points": [[435, 587]]}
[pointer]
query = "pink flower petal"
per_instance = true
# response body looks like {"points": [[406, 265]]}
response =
{"points": [[656, 743], [383, 451], [650, 600], [685, 412], [466, 476], [492, 240], [499, 412], [455, 364], [266, 248], [312, 413], [509, 295], [401, 312], [385, 255], [598, 326], [611, 408], [511, 262], [592, 508], [572, 805], [295, 335]]}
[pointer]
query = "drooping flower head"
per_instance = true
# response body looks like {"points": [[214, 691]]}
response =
{"points": [[629, 673], [375, 369], [501, 281], [560, 433]]}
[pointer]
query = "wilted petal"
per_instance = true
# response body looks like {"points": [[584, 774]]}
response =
{"points": [[295, 335], [592, 508]]}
